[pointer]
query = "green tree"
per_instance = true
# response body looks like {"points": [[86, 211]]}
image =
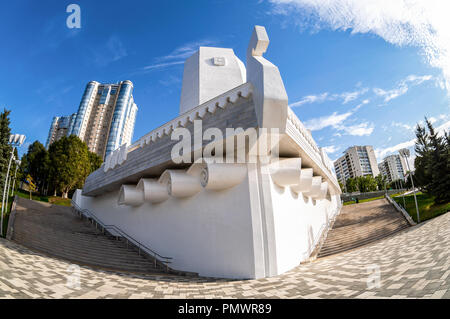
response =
{"points": [[5, 148], [422, 149], [36, 164], [366, 183], [341, 186], [70, 164], [351, 185], [95, 161], [381, 181], [440, 170], [432, 162]]}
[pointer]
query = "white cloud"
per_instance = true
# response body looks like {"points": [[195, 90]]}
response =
{"points": [[402, 125], [443, 127], [331, 120], [161, 65], [362, 129], [112, 51], [345, 97], [402, 87], [382, 152], [331, 149], [390, 94], [418, 23], [310, 99], [184, 51], [176, 57], [336, 121], [350, 96]]}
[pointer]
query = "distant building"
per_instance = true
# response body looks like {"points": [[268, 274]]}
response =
{"points": [[356, 161], [393, 167], [105, 118], [61, 126]]}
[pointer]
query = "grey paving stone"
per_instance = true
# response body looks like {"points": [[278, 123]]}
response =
{"points": [[415, 259]]}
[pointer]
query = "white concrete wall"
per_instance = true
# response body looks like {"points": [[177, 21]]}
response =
{"points": [[297, 223], [209, 233], [203, 80], [219, 233]]}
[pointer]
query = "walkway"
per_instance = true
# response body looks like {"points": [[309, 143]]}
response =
{"points": [[415, 263]]}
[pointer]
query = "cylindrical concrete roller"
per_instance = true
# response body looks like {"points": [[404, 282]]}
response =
{"points": [[153, 191], [286, 171], [323, 191], [180, 184], [306, 177], [218, 176], [131, 196], [315, 187]]}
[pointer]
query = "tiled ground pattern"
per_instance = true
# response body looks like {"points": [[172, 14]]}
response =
{"points": [[412, 264]]}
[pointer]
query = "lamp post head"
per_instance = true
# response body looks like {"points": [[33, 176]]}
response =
{"points": [[404, 152], [16, 139]]}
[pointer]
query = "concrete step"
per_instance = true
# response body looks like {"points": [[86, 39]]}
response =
{"points": [[92, 253], [103, 265], [88, 258], [363, 231], [336, 250], [348, 241], [362, 224], [60, 233]]}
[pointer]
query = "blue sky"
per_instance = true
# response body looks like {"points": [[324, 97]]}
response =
{"points": [[351, 79]]}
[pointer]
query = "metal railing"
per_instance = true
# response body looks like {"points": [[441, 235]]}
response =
{"points": [[401, 210], [322, 233], [117, 232]]}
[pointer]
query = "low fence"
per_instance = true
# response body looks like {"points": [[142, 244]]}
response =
{"points": [[345, 197]]}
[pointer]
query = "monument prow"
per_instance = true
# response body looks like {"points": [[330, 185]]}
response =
{"points": [[216, 214]]}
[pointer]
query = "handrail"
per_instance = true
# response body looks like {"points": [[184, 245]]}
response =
{"points": [[401, 210], [139, 245], [320, 233]]}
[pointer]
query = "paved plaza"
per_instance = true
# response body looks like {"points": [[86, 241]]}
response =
{"points": [[415, 263]]}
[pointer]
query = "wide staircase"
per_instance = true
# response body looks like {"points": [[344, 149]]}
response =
{"points": [[57, 231], [361, 224]]}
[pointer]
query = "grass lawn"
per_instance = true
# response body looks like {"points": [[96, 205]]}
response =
{"points": [[427, 208], [363, 200], [48, 199]]}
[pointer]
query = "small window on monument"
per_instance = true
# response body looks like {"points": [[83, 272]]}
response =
{"points": [[219, 61]]}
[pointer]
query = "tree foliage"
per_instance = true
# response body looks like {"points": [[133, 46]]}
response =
{"points": [[36, 163], [381, 181], [5, 148], [361, 184], [61, 169], [69, 164], [432, 162]]}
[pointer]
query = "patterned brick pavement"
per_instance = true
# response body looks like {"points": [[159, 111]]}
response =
{"points": [[412, 264]]}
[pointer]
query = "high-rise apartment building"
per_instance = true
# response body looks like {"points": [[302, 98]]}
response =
{"points": [[393, 167], [356, 161], [105, 118], [61, 126]]}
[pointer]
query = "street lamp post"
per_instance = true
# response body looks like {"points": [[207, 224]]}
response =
{"points": [[18, 162], [9, 183], [15, 140], [405, 153]]}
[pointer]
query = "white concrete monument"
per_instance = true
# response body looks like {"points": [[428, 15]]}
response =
{"points": [[208, 73], [245, 204]]}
